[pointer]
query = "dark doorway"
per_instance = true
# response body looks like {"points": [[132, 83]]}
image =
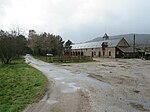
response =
{"points": [[109, 53], [103, 53], [81, 53], [92, 54], [99, 54], [78, 53]]}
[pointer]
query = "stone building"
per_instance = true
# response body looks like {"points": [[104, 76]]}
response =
{"points": [[107, 48]]}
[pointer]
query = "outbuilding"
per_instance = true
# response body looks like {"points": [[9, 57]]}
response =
{"points": [[107, 48]]}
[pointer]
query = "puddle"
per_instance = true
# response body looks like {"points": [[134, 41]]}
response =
{"points": [[52, 101], [81, 74], [72, 87], [63, 82], [59, 78]]}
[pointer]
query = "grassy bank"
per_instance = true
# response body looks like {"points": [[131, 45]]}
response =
{"points": [[64, 59], [20, 85]]}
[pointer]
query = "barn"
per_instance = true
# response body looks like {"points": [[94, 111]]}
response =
{"points": [[107, 48]]}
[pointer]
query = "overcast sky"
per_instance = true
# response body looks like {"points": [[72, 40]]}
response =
{"points": [[77, 20]]}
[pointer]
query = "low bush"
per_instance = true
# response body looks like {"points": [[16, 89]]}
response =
{"points": [[64, 59]]}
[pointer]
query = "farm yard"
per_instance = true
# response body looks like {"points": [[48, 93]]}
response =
{"points": [[107, 85], [128, 78]]}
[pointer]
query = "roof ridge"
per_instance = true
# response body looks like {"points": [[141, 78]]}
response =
{"points": [[98, 41]]}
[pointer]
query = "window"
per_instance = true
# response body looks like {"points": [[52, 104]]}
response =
{"points": [[109, 53]]}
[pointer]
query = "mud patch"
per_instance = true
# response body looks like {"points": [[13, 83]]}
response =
{"points": [[108, 65], [124, 81], [56, 109], [125, 67], [139, 107], [126, 76], [136, 91], [97, 77], [65, 65]]}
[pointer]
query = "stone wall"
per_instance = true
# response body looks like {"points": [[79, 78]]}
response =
{"points": [[95, 52]]}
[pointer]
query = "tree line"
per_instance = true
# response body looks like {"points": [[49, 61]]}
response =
{"points": [[13, 45], [42, 44]]}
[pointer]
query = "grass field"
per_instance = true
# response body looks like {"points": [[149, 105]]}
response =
{"points": [[43, 58], [20, 85]]}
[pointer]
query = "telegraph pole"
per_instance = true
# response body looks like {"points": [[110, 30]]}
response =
{"points": [[134, 43]]}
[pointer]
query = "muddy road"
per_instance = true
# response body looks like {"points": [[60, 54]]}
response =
{"points": [[107, 85]]}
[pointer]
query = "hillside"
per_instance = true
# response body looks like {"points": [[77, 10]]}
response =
{"points": [[141, 39]]}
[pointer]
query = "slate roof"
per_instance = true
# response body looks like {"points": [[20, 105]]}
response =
{"points": [[127, 49], [111, 43]]}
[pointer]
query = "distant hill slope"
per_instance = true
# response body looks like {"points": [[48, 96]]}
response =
{"points": [[141, 39]]}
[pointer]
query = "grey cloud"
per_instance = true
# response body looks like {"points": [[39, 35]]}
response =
{"points": [[3, 5], [82, 20], [133, 17]]}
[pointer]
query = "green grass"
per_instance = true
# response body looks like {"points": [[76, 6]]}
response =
{"points": [[43, 58], [20, 85]]}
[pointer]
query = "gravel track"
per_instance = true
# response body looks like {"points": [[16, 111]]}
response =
{"points": [[107, 85]]}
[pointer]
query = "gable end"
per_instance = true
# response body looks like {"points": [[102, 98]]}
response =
{"points": [[123, 43]]}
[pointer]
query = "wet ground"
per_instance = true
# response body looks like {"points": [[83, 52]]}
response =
{"points": [[107, 85]]}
